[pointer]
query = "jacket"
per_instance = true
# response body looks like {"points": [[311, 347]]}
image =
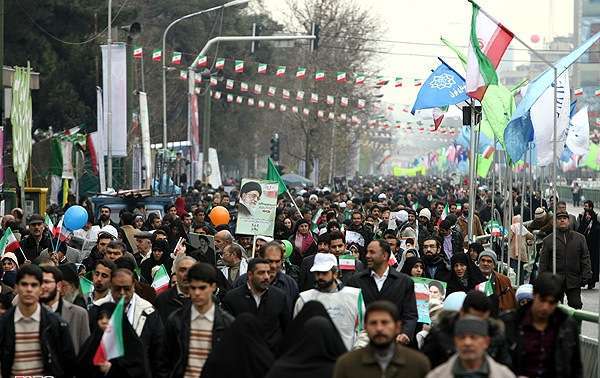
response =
{"points": [[243, 268], [282, 281], [398, 288], [307, 278], [567, 353], [573, 263], [504, 297], [457, 244], [77, 319], [360, 363], [518, 245], [496, 370], [57, 348], [439, 343], [178, 336], [463, 223], [169, 302], [273, 311], [32, 249]]}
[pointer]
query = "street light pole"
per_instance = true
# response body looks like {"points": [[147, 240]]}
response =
{"points": [[109, 176]]}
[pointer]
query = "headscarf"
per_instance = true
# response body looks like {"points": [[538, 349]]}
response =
{"points": [[410, 263], [295, 329], [302, 242], [314, 354], [180, 206], [516, 227], [403, 258], [472, 277], [242, 352]]}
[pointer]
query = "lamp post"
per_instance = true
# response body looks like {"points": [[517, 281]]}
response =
{"points": [[109, 176]]}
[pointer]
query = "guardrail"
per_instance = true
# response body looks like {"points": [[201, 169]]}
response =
{"points": [[564, 193], [589, 346]]}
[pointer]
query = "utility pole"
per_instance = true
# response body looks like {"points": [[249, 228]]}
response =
{"points": [[109, 176]]}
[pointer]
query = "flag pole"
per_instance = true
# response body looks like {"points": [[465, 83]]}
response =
{"points": [[521, 225], [471, 172]]}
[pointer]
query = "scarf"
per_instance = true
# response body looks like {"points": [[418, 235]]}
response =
{"points": [[303, 242]]}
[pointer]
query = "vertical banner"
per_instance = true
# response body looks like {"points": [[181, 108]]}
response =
{"points": [[195, 139], [99, 139], [145, 130], [257, 207], [118, 98]]}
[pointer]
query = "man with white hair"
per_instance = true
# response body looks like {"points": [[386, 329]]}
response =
{"points": [[173, 299]]}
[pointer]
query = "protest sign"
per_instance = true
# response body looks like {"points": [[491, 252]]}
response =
{"points": [[256, 208], [428, 291]]}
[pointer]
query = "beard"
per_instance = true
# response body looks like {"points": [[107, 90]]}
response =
{"points": [[381, 344], [49, 298], [324, 285]]}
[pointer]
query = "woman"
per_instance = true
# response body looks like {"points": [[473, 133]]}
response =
{"points": [[296, 327], [519, 240], [283, 229], [159, 256], [313, 355], [475, 249], [590, 228], [138, 223], [408, 253], [464, 274], [10, 265], [242, 352], [304, 242], [413, 266]]}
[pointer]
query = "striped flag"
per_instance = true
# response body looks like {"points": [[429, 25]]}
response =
{"points": [[183, 75], [220, 63], [239, 66], [489, 150], [280, 71], [360, 79], [243, 87], [202, 61], [229, 84], [160, 279], [578, 92], [340, 77], [138, 52], [301, 73], [285, 94], [257, 88], [262, 68], [418, 82], [314, 227], [49, 224], [330, 100], [381, 81], [398, 82], [176, 57], [485, 287], [597, 92], [157, 55], [344, 101], [9, 242], [112, 345], [361, 103], [300, 96], [320, 75], [271, 91], [314, 98]]}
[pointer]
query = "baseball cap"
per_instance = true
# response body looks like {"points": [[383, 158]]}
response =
{"points": [[562, 214], [323, 262]]}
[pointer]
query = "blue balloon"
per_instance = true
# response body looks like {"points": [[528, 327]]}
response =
{"points": [[75, 218]]}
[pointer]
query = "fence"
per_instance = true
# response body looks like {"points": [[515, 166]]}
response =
{"points": [[589, 346]]}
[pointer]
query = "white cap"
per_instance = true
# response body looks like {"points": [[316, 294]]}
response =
{"points": [[382, 196], [342, 205], [425, 213], [110, 230], [313, 197], [323, 262], [268, 239]]}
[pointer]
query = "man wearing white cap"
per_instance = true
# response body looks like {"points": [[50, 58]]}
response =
{"points": [[344, 304]]}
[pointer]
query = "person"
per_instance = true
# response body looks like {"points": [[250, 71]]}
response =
{"points": [[235, 263], [344, 304], [37, 240], [503, 297], [117, 249], [524, 294], [312, 355], [380, 282], [463, 221], [173, 299], [250, 194], [590, 228], [223, 238], [10, 265], [439, 345], [413, 266], [542, 221], [303, 241], [160, 256], [471, 339], [474, 250], [436, 266], [197, 328], [49, 350], [75, 316], [572, 259], [104, 218], [243, 352], [464, 275], [452, 240], [519, 241], [383, 356], [544, 341], [561, 206], [262, 299], [576, 193], [101, 280], [143, 242], [306, 278], [99, 250], [69, 288], [425, 229]]}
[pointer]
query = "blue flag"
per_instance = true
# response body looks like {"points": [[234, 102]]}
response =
{"points": [[519, 131], [442, 88]]}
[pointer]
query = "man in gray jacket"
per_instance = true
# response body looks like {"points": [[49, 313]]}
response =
{"points": [[573, 264]]}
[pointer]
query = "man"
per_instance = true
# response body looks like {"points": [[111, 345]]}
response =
{"points": [[101, 279], [561, 207], [463, 221], [358, 226], [187, 221], [472, 340], [485, 213], [143, 242], [439, 345], [344, 304], [142, 317], [128, 231], [544, 341], [36, 241], [223, 238], [75, 316], [250, 194], [262, 299], [436, 266], [197, 327], [99, 250], [104, 218], [380, 282], [452, 240], [69, 288], [573, 263], [235, 263], [587, 205], [117, 249], [34, 340], [306, 278], [425, 225], [503, 298], [175, 298], [383, 357]]}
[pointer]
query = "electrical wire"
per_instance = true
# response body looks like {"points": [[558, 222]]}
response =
{"points": [[43, 30]]}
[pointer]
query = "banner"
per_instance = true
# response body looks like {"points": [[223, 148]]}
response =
{"points": [[99, 140], [145, 131], [118, 99], [195, 138], [428, 292], [410, 172], [256, 207], [214, 172]]}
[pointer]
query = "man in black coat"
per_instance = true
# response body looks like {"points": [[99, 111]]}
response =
{"points": [[436, 266], [543, 340], [175, 298], [380, 282], [201, 282], [37, 240], [56, 352], [258, 297]]}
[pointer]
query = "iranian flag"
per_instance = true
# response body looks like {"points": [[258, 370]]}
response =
{"points": [[86, 286], [489, 150], [220, 63], [213, 81], [157, 55], [301, 73], [314, 98], [112, 345], [331, 116], [160, 280], [347, 262], [250, 102], [438, 116], [578, 92], [314, 227], [330, 100], [418, 82], [360, 79], [597, 92], [340, 77], [398, 82], [176, 57], [9, 242], [271, 106], [262, 68], [239, 100], [361, 103], [138, 52], [239, 66], [202, 61], [300, 96], [306, 111], [280, 71], [320, 114], [271, 91], [320, 75], [446, 210], [294, 109], [243, 87], [285, 94], [257, 89], [229, 84], [344, 101], [487, 44], [282, 107], [381, 81], [485, 287], [49, 224], [229, 98], [183, 75]]}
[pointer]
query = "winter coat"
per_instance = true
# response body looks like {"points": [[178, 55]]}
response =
{"points": [[496, 370], [518, 245], [572, 258]]}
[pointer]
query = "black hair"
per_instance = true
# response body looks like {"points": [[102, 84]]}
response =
{"points": [[335, 235], [478, 301], [56, 273], [548, 285], [30, 270], [117, 244], [324, 238], [383, 306], [384, 245], [236, 249], [561, 203], [106, 263], [590, 203], [253, 263], [127, 218], [432, 237], [125, 263], [125, 271], [202, 272], [105, 207]]}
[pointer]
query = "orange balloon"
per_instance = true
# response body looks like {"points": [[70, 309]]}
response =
{"points": [[219, 215]]}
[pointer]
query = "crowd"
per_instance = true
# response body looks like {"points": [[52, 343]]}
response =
{"points": [[344, 302]]}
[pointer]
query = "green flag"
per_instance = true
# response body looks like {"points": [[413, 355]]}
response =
{"points": [[591, 160], [86, 286], [483, 165], [498, 106], [314, 227], [461, 56], [273, 175]]}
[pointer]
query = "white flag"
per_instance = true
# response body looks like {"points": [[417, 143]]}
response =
{"points": [[578, 137]]}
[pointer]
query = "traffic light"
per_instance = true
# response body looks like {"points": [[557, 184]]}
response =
{"points": [[275, 147], [316, 31]]}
